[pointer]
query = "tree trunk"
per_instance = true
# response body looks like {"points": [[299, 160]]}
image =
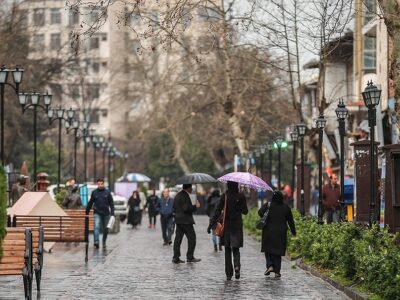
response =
{"points": [[178, 153]]}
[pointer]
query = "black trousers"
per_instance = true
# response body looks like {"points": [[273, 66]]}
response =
{"points": [[274, 260], [181, 230], [228, 260], [152, 219]]}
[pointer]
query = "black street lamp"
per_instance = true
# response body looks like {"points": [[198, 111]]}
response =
{"points": [[111, 153], [58, 114], [372, 96], [341, 113], [32, 100], [320, 123], [294, 136], [104, 147], [75, 127], [278, 142], [17, 78], [270, 148], [301, 130]]}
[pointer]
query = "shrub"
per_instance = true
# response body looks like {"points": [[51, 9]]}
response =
{"points": [[3, 209], [356, 253]]}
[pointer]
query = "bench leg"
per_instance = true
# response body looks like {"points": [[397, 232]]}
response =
{"points": [[27, 284], [86, 251], [38, 276]]}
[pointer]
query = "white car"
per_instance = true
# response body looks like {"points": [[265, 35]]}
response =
{"points": [[121, 208]]}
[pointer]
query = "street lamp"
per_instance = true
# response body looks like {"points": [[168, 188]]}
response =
{"points": [[294, 136], [262, 152], [75, 127], [60, 114], [111, 153], [17, 78], [270, 148], [320, 123], [372, 96], [278, 142], [341, 113], [32, 100], [301, 130]]}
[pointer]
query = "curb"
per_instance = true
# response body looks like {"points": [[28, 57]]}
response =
{"points": [[350, 292]]}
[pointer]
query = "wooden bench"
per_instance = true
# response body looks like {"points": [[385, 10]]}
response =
{"points": [[58, 228], [82, 212], [23, 254]]}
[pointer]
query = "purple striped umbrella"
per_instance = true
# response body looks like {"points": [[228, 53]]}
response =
{"points": [[246, 179]]}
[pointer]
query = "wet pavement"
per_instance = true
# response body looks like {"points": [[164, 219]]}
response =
{"points": [[137, 266]]}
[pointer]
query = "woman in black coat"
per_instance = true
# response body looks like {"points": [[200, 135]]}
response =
{"points": [[274, 234], [233, 229], [134, 209]]}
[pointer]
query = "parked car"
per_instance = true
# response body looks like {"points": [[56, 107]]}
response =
{"points": [[120, 206]]}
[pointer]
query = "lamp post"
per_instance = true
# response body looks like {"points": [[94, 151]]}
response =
{"points": [[104, 147], [278, 142], [372, 96], [341, 113], [262, 152], [294, 136], [111, 154], [301, 130], [58, 114], [320, 123], [32, 100], [97, 141], [270, 148], [75, 127], [17, 78]]}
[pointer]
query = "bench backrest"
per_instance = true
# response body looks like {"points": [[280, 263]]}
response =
{"points": [[82, 212], [57, 228], [16, 244]]}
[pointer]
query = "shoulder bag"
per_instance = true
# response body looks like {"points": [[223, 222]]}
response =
{"points": [[220, 226], [263, 220]]}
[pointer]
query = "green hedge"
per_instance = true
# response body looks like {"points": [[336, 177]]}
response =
{"points": [[3, 209], [358, 254]]}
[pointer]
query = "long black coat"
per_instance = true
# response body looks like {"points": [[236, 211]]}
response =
{"points": [[183, 208], [274, 234], [134, 211], [233, 229]]}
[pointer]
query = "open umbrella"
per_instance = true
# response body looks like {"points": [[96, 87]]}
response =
{"points": [[195, 178], [246, 179], [134, 177]]}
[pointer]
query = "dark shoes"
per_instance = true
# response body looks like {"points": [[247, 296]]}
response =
{"points": [[228, 278], [215, 248], [268, 271], [220, 247], [104, 245], [237, 272], [193, 260], [165, 243], [278, 275], [96, 245], [177, 261], [169, 242]]}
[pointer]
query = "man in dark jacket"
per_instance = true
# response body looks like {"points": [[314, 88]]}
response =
{"points": [[73, 200], [166, 204], [184, 209], [103, 203], [331, 199]]}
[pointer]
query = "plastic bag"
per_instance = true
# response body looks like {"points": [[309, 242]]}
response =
{"points": [[111, 222]]}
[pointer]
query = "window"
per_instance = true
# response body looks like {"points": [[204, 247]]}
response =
{"points": [[94, 16], [55, 16], [370, 10], [74, 91], [103, 37], [95, 116], [38, 17], [73, 17], [96, 67], [369, 53], [23, 18], [55, 41], [38, 42], [94, 42], [93, 91]]}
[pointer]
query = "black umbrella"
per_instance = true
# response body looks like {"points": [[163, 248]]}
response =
{"points": [[195, 178]]}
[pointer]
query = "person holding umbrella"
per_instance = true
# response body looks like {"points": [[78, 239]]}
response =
{"points": [[232, 238], [184, 221]]}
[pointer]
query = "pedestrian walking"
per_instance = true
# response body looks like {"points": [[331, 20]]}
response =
{"points": [[103, 203], [232, 238], [212, 203], [134, 209], [73, 200], [166, 204], [184, 209], [331, 199], [152, 205], [274, 234]]}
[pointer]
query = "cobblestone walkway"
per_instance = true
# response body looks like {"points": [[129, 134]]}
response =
{"points": [[137, 266]]}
